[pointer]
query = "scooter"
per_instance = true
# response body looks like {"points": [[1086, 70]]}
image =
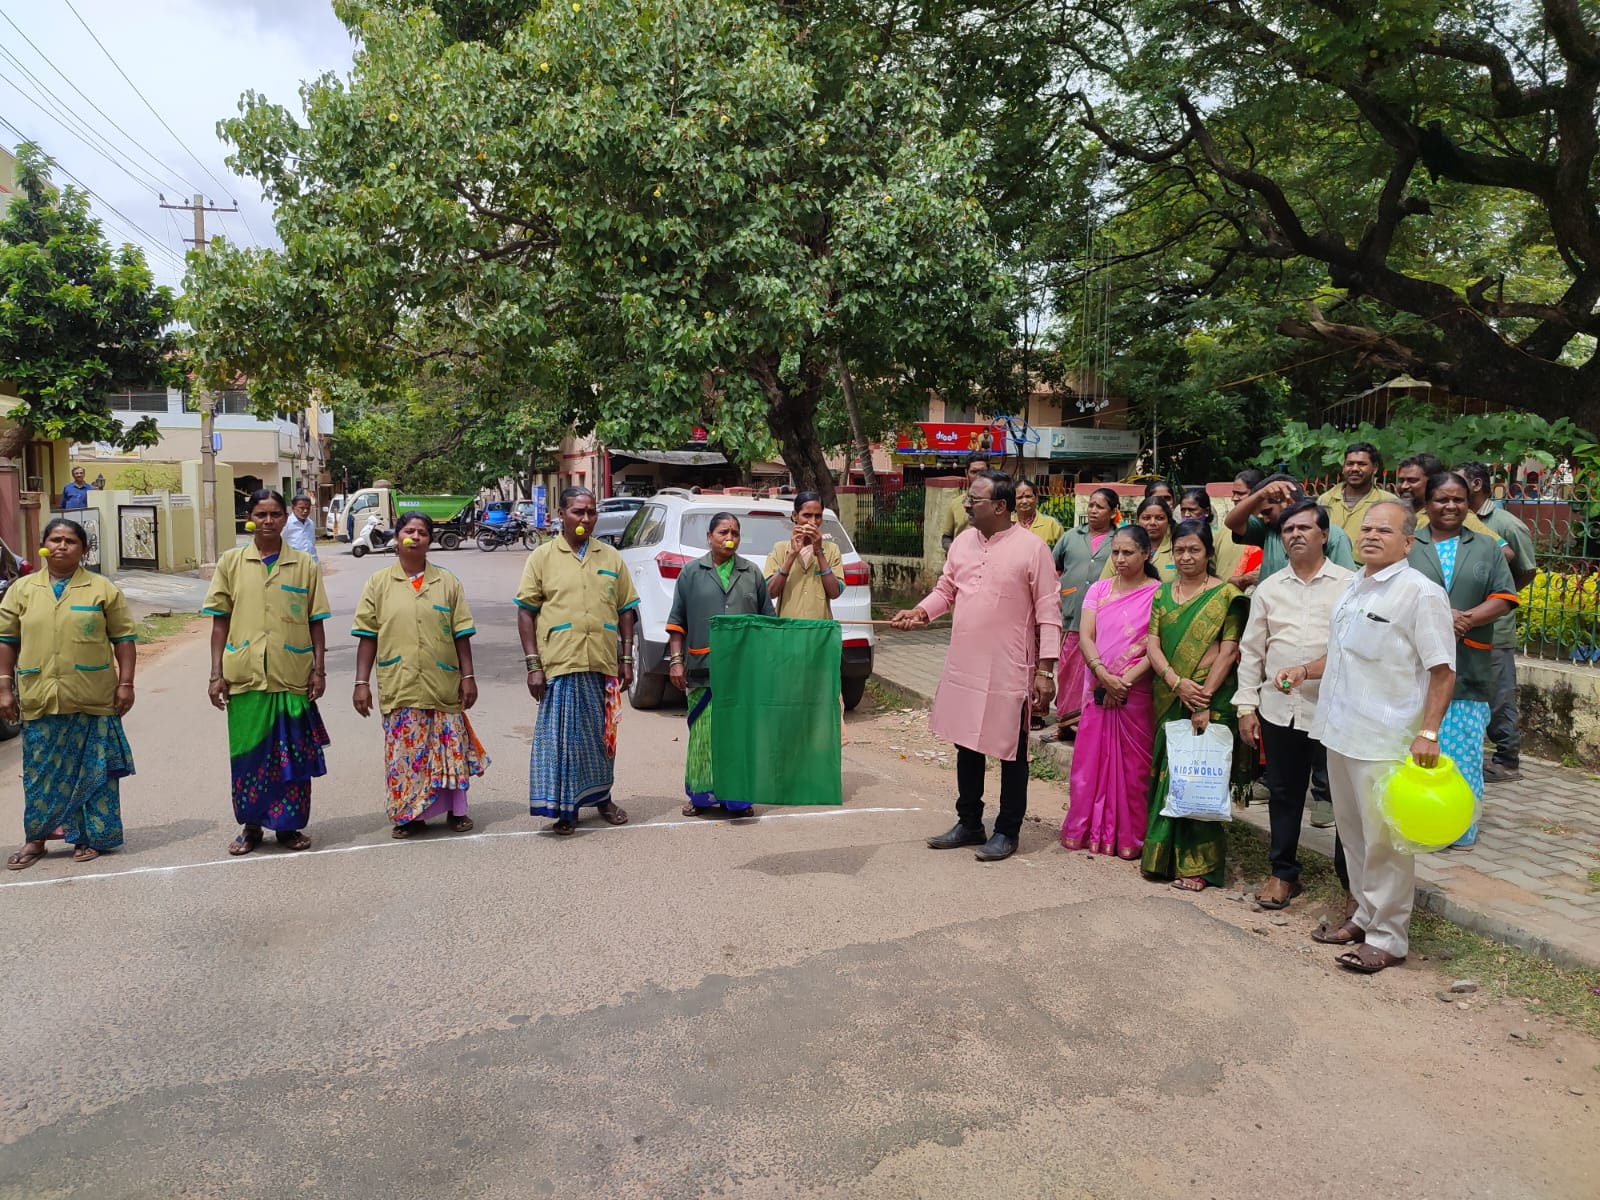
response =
{"points": [[373, 538]]}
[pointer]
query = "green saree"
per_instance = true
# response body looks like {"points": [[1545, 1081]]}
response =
{"points": [[1181, 848]]}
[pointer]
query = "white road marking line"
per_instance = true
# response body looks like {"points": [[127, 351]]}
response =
{"points": [[453, 840]]}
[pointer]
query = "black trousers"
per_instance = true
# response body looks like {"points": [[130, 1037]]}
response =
{"points": [[1013, 788], [1292, 757]]}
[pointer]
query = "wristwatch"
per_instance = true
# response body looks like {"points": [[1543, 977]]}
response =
{"points": [[1431, 735]]}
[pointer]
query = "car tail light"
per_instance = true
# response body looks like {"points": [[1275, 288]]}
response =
{"points": [[671, 564], [857, 643], [857, 574]]}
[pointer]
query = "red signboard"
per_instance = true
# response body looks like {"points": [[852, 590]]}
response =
{"points": [[927, 437]]}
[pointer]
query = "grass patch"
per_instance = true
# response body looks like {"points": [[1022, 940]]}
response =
{"points": [[1043, 766], [886, 696], [1594, 880], [886, 603], [158, 627], [1506, 971]]}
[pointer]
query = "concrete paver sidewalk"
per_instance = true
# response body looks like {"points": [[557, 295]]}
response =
{"points": [[1528, 882]]}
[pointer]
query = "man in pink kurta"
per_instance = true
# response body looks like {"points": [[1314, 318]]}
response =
{"points": [[1004, 640]]}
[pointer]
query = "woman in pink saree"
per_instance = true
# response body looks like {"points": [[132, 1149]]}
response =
{"points": [[1111, 761]]}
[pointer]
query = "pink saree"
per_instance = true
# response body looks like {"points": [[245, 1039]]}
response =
{"points": [[1111, 759]]}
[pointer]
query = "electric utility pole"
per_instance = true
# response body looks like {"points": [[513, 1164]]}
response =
{"points": [[208, 410]]}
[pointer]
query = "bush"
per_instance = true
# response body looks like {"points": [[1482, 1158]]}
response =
{"points": [[1561, 611]]}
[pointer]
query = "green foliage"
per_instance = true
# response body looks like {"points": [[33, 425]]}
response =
{"points": [[77, 319], [1507, 437], [629, 217]]}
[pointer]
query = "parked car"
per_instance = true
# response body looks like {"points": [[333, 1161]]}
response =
{"points": [[615, 514], [497, 512], [12, 569], [668, 532]]}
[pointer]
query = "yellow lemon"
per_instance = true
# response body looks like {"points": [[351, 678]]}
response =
{"points": [[409, 541], [44, 551], [729, 544], [579, 531], [249, 526]]}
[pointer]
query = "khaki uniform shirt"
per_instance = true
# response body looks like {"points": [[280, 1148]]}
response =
{"points": [[803, 594], [1348, 517], [64, 647], [955, 516], [269, 618], [416, 632], [1045, 526], [576, 603]]}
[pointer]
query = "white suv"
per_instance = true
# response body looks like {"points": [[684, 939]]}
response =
{"points": [[669, 532]]}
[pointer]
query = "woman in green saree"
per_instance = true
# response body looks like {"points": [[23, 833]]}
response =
{"points": [[1195, 627]]}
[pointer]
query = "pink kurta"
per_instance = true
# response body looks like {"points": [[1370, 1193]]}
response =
{"points": [[1009, 616]]}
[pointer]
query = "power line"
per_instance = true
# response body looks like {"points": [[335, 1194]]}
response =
{"points": [[69, 121], [225, 187], [150, 154], [152, 242]]}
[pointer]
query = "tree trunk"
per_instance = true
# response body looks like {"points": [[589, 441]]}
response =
{"points": [[862, 448], [792, 409], [12, 441]]}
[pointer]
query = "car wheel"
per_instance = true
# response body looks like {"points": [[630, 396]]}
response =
{"points": [[449, 541], [647, 691], [9, 729], [852, 690]]}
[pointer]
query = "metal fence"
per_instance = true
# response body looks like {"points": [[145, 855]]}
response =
{"points": [[894, 526], [1559, 617]]}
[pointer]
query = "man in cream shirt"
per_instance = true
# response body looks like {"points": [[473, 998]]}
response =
{"points": [[1387, 677], [1288, 626]]}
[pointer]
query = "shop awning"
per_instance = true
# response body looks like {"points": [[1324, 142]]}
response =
{"points": [[675, 458]]}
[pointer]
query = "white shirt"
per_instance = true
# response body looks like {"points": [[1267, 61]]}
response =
{"points": [[1387, 631], [1288, 627], [301, 535]]}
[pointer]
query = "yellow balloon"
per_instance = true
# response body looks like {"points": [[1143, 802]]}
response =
{"points": [[578, 531], [1426, 807], [249, 526]]}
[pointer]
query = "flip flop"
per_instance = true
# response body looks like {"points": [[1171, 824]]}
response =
{"points": [[407, 829], [1186, 884], [245, 842], [83, 854], [293, 839], [461, 824], [1368, 960], [23, 859], [1352, 934], [612, 814], [562, 828]]}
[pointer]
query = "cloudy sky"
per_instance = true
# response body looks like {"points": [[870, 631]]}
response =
{"points": [[192, 60]]}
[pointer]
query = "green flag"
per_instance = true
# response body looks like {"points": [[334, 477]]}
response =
{"points": [[775, 720]]}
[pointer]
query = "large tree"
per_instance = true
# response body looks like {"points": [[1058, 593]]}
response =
{"points": [[78, 320], [651, 215], [1433, 160]]}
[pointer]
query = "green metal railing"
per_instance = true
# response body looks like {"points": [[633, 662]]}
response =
{"points": [[1559, 617], [894, 525]]}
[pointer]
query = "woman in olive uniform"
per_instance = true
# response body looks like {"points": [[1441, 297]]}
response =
{"points": [[267, 606], [66, 667]]}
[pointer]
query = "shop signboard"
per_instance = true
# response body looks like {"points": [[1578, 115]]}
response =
{"points": [[1078, 441], [945, 439]]}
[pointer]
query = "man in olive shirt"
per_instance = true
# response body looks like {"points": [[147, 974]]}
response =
{"points": [[575, 604], [1253, 521], [1348, 502], [1504, 719], [955, 517]]}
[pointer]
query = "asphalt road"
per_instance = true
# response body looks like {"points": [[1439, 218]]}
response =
{"points": [[810, 1004]]}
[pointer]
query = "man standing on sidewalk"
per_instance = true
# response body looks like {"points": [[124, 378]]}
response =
{"points": [[1004, 641], [955, 517], [1348, 503], [1387, 677], [1504, 727], [1288, 626]]}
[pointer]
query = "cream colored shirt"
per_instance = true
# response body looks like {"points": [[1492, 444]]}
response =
{"points": [[1387, 631], [1288, 627], [577, 604]]}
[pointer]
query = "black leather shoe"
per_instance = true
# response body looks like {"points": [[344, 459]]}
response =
{"points": [[998, 847], [959, 835]]}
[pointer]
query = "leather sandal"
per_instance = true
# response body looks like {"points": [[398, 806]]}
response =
{"points": [[1345, 935]]}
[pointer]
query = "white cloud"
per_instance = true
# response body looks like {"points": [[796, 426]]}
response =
{"points": [[192, 59]]}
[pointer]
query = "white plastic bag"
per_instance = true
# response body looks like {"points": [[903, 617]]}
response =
{"points": [[1199, 767]]}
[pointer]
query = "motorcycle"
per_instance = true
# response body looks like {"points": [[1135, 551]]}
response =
{"points": [[373, 539], [492, 537]]}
